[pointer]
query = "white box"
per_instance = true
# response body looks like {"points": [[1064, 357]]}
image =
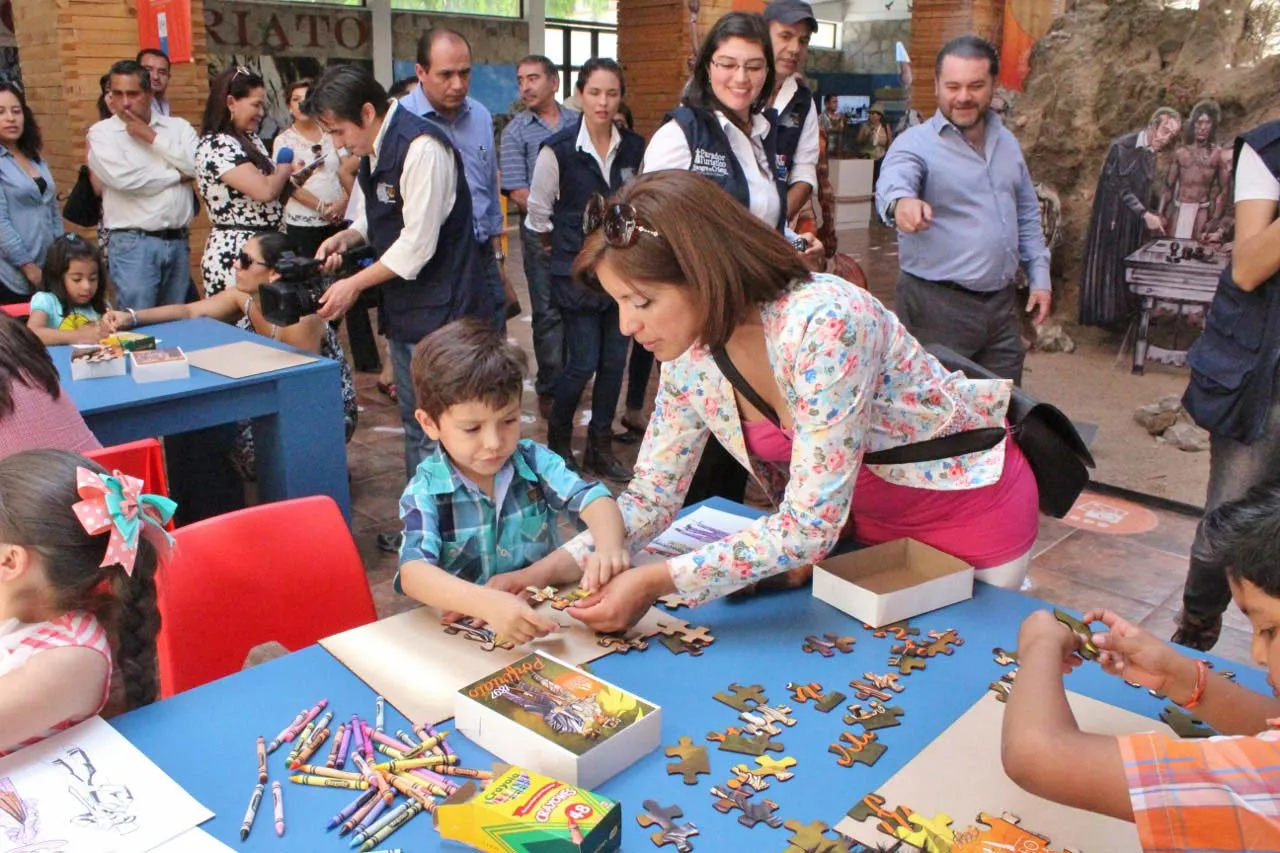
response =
{"points": [[157, 365], [892, 581], [555, 719], [95, 361]]}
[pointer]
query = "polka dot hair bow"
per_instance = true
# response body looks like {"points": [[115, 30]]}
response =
{"points": [[115, 502]]}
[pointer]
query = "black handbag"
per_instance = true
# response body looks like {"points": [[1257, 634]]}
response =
{"points": [[83, 207], [1058, 457]]}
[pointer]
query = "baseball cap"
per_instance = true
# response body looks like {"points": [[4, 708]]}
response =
{"points": [[790, 12]]}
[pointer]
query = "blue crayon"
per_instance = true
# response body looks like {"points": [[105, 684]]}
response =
{"points": [[372, 816], [352, 808], [392, 850], [360, 836], [378, 713]]}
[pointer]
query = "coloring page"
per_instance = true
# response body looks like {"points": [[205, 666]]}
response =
{"points": [[700, 527]]}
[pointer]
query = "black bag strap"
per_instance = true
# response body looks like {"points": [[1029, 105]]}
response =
{"points": [[933, 449], [740, 384]]}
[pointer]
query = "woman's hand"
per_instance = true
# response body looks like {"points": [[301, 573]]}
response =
{"points": [[32, 273], [115, 321], [625, 599], [1137, 656], [813, 256]]}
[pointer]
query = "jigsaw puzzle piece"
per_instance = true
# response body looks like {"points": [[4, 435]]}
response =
{"points": [[1087, 649], [669, 831], [900, 630], [931, 835], [854, 749], [742, 698], [753, 811], [674, 601], [999, 833], [694, 761], [876, 716], [858, 824], [1186, 725], [812, 838], [677, 646], [621, 642], [906, 664]]}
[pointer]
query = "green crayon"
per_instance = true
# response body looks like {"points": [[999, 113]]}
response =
{"points": [[327, 782], [398, 818]]}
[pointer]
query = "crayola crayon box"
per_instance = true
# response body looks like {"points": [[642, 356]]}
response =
{"points": [[520, 811], [539, 712]]}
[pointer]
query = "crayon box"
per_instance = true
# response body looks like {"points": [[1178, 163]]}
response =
{"points": [[520, 811], [539, 712]]}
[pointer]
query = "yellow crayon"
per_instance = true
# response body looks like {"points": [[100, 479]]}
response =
{"points": [[309, 749], [412, 763], [374, 777], [430, 744], [326, 782], [318, 770], [388, 751], [427, 784]]}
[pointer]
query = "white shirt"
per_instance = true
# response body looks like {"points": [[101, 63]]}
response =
{"points": [[160, 105], [804, 166], [1254, 181], [142, 184], [668, 149], [544, 189], [323, 182], [428, 185]]}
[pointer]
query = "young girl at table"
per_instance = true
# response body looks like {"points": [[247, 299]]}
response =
{"points": [[78, 552], [1206, 794], [71, 302]]}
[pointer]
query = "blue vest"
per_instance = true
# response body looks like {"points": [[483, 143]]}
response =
{"points": [[451, 284], [580, 179], [1233, 364], [711, 155], [790, 124]]}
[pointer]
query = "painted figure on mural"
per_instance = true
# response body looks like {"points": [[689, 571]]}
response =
{"points": [[1125, 215], [1199, 180]]}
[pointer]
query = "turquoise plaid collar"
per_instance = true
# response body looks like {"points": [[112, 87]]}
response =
{"points": [[444, 478]]}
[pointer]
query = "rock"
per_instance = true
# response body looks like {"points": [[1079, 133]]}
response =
{"points": [[1188, 437], [1158, 417], [1052, 337]]}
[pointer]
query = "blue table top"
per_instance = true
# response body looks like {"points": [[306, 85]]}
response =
{"points": [[205, 738], [120, 392]]}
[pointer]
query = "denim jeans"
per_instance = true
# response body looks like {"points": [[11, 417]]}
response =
{"points": [[596, 346], [493, 278], [148, 271], [639, 366], [416, 444], [548, 327]]}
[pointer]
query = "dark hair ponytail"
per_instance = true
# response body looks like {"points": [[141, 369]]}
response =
{"points": [[234, 82], [37, 493]]}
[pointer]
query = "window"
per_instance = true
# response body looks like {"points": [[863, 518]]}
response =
{"points": [[827, 36], [585, 11], [569, 45], [492, 8]]}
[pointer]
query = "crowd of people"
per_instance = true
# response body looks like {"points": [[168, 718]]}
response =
{"points": [[698, 249]]}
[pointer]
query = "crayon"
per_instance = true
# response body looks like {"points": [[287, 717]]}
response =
{"points": [[448, 785], [449, 770], [409, 788], [351, 808], [325, 721], [326, 782], [379, 806], [310, 748], [310, 715], [378, 713], [379, 737], [374, 777], [262, 759], [428, 744], [431, 785], [316, 770], [305, 735], [413, 809], [358, 816], [393, 754], [332, 760], [285, 736], [575, 832], [365, 731], [277, 795], [394, 817], [426, 732], [251, 812], [389, 850], [402, 765], [406, 738], [346, 743]]}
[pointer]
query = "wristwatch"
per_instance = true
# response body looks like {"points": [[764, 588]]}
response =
{"points": [[891, 210], [500, 256]]}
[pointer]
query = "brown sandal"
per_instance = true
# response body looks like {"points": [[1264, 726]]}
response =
{"points": [[389, 389]]}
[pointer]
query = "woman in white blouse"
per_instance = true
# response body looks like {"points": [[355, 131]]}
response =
{"points": [[318, 203]]}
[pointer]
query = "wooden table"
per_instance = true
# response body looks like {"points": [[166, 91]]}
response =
{"points": [[1151, 274]]}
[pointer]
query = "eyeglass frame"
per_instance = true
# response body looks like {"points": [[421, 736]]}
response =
{"points": [[731, 66], [600, 214]]}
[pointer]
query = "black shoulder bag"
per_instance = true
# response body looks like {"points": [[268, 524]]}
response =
{"points": [[83, 207]]}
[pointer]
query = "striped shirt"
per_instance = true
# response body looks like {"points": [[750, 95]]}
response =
{"points": [[1206, 795], [521, 139], [20, 642]]}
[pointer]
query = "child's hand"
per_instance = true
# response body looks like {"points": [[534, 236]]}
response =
{"points": [[90, 334], [1042, 627], [516, 583], [1137, 656], [602, 565], [512, 619]]}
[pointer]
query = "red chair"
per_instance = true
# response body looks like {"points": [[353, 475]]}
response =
{"points": [[22, 310], [143, 459], [286, 571]]}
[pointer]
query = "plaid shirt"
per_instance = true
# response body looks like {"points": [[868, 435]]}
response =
{"points": [[521, 139], [450, 523], [1204, 795]]}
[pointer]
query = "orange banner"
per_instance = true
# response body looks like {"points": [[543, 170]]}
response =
{"points": [[166, 25]]}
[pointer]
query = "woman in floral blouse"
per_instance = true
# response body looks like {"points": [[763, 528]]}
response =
{"points": [[694, 272]]}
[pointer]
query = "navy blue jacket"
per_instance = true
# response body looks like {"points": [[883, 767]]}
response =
{"points": [[790, 124], [1234, 363], [451, 284]]}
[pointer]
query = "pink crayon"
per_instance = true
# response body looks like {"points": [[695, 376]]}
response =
{"points": [[387, 740], [346, 744], [311, 715], [365, 731]]}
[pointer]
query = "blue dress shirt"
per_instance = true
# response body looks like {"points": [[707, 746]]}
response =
{"points": [[471, 132], [29, 220], [986, 218]]}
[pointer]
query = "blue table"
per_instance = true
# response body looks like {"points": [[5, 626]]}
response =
{"points": [[205, 738], [299, 440]]}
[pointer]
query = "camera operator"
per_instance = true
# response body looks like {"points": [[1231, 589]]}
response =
{"points": [[412, 205]]}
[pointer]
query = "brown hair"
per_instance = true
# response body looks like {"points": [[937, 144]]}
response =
{"points": [[727, 258], [301, 83], [23, 358], [467, 361]]}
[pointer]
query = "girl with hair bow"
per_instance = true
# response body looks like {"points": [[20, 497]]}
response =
{"points": [[78, 555]]}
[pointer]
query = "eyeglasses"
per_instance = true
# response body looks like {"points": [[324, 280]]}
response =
{"points": [[246, 260], [731, 66], [621, 224]]}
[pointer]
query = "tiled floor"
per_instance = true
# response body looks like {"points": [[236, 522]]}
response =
{"points": [[1140, 576]]}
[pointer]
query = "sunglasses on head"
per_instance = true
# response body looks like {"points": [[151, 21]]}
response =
{"points": [[246, 260], [621, 224]]}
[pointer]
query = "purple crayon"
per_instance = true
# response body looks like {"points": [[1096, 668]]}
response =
{"points": [[285, 736], [358, 815], [372, 815], [311, 715], [365, 731], [351, 808], [346, 744]]}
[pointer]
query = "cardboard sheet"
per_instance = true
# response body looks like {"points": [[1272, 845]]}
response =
{"points": [[410, 660], [246, 358], [960, 775]]}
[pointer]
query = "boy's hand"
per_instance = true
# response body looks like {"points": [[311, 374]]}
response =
{"points": [[513, 619], [602, 565], [1137, 656], [516, 583], [1042, 627]]}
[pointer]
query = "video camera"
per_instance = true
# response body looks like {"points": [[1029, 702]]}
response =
{"points": [[296, 294]]}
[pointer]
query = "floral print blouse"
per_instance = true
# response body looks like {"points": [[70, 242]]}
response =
{"points": [[854, 381]]}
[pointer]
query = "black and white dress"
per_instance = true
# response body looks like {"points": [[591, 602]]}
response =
{"points": [[235, 216]]}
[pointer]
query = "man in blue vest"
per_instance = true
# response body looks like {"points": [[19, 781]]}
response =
{"points": [[413, 207], [791, 25]]}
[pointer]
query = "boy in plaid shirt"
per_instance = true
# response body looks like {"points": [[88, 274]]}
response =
{"points": [[482, 508], [1205, 794]]}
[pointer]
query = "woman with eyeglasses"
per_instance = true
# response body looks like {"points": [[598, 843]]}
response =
{"points": [[29, 217], [241, 187], [255, 266], [798, 375], [318, 203], [582, 162]]}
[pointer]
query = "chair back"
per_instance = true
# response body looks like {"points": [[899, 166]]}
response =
{"points": [[21, 310], [143, 459], [287, 572]]}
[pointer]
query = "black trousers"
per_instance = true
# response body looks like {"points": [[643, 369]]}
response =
{"points": [[718, 476]]}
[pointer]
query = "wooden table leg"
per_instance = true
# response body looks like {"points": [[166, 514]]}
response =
{"points": [[1140, 342]]}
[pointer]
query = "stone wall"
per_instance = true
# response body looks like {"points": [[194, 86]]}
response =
{"points": [[869, 45]]}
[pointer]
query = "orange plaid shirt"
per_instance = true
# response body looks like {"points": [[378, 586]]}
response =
{"points": [[1204, 795]]}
